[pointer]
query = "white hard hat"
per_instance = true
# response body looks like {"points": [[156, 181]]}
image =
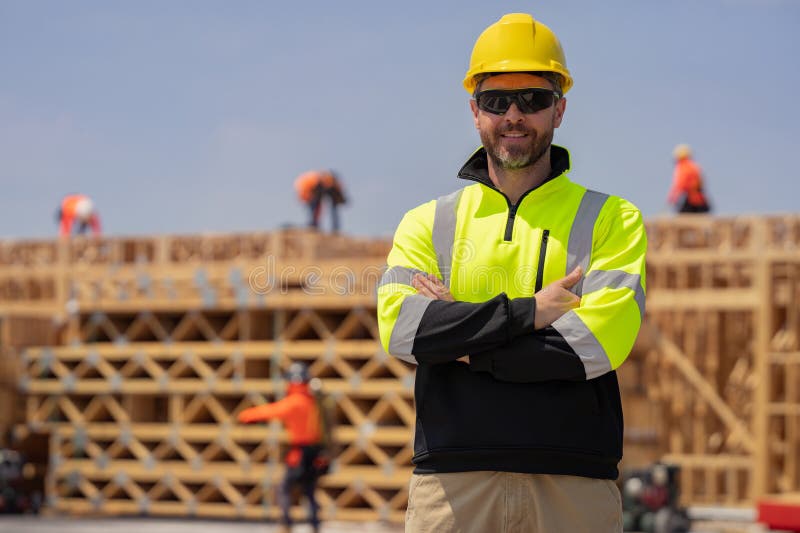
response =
{"points": [[682, 151], [84, 209]]}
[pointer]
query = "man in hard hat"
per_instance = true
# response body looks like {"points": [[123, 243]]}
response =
{"points": [[316, 187], [687, 193], [77, 209], [300, 413], [517, 296]]}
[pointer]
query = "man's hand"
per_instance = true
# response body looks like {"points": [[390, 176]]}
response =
{"points": [[432, 287], [555, 300]]}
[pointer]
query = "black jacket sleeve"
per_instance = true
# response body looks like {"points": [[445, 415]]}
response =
{"points": [[540, 356], [449, 330]]}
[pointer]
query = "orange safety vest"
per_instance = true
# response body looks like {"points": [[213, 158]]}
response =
{"points": [[687, 179], [68, 215], [298, 411], [308, 181]]}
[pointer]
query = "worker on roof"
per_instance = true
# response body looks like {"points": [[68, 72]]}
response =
{"points": [[317, 187], [77, 212], [686, 193], [516, 296]]}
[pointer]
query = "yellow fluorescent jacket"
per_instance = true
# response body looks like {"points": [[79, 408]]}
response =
{"points": [[481, 246]]}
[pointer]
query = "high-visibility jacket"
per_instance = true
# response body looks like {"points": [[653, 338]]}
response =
{"points": [[68, 215], [305, 184], [530, 400], [298, 411], [687, 180], [310, 184]]}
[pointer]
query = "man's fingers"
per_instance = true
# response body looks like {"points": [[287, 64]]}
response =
{"points": [[441, 289], [424, 287], [432, 283], [572, 278], [432, 287], [421, 280], [436, 283]]}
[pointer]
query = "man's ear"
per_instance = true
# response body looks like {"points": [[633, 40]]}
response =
{"points": [[561, 107], [473, 105]]}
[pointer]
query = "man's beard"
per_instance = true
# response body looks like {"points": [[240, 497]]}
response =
{"points": [[516, 157]]}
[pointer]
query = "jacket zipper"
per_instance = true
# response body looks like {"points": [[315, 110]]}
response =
{"points": [[542, 253], [512, 213]]}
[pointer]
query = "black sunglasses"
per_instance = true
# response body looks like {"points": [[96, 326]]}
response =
{"points": [[530, 100]]}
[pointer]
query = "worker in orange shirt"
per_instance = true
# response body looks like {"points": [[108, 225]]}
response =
{"points": [[77, 208], [687, 193], [314, 187], [300, 413]]}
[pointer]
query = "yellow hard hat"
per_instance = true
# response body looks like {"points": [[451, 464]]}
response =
{"points": [[517, 43], [682, 151]]}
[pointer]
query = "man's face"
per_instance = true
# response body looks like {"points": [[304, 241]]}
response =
{"points": [[515, 140]]}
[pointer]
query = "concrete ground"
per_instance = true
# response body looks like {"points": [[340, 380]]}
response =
{"points": [[37, 524]]}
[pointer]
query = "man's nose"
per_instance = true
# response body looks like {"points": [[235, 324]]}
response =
{"points": [[513, 114]]}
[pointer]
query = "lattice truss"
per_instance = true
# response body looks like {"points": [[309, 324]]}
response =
{"points": [[143, 413], [722, 358]]}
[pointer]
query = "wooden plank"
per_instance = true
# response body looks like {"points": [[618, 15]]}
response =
{"points": [[372, 387], [384, 435], [763, 334], [702, 299], [255, 350], [256, 473], [219, 510]]}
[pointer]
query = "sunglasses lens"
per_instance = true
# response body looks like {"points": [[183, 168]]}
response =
{"points": [[495, 102], [531, 101], [527, 100]]}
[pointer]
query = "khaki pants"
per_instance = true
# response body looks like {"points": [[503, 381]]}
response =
{"points": [[504, 502]]}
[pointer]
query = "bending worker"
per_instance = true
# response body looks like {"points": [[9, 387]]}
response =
{"points": [[687, 193], [77, 208], [317, 186], [517, 295], [300, 414]]}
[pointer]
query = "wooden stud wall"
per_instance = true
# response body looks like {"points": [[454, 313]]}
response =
{"points": [[719, 353]]}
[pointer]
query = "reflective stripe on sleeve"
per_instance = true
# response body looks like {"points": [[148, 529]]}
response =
{"points": [[584, 343], [615, 279], [398, 274], [405, 327]]}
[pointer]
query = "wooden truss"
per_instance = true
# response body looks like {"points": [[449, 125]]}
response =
{"points": [[146, 349]]}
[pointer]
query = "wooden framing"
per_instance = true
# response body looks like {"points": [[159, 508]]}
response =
{"points": [[144, 350], [719, 354]]}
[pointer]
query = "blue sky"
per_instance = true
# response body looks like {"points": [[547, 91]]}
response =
{"points": [[196, 116]]}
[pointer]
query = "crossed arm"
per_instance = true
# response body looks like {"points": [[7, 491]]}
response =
{"points": [[552, 335], [540, 355]]}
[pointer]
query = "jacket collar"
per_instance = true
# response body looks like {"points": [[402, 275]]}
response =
{"points": [[477, 166]]}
